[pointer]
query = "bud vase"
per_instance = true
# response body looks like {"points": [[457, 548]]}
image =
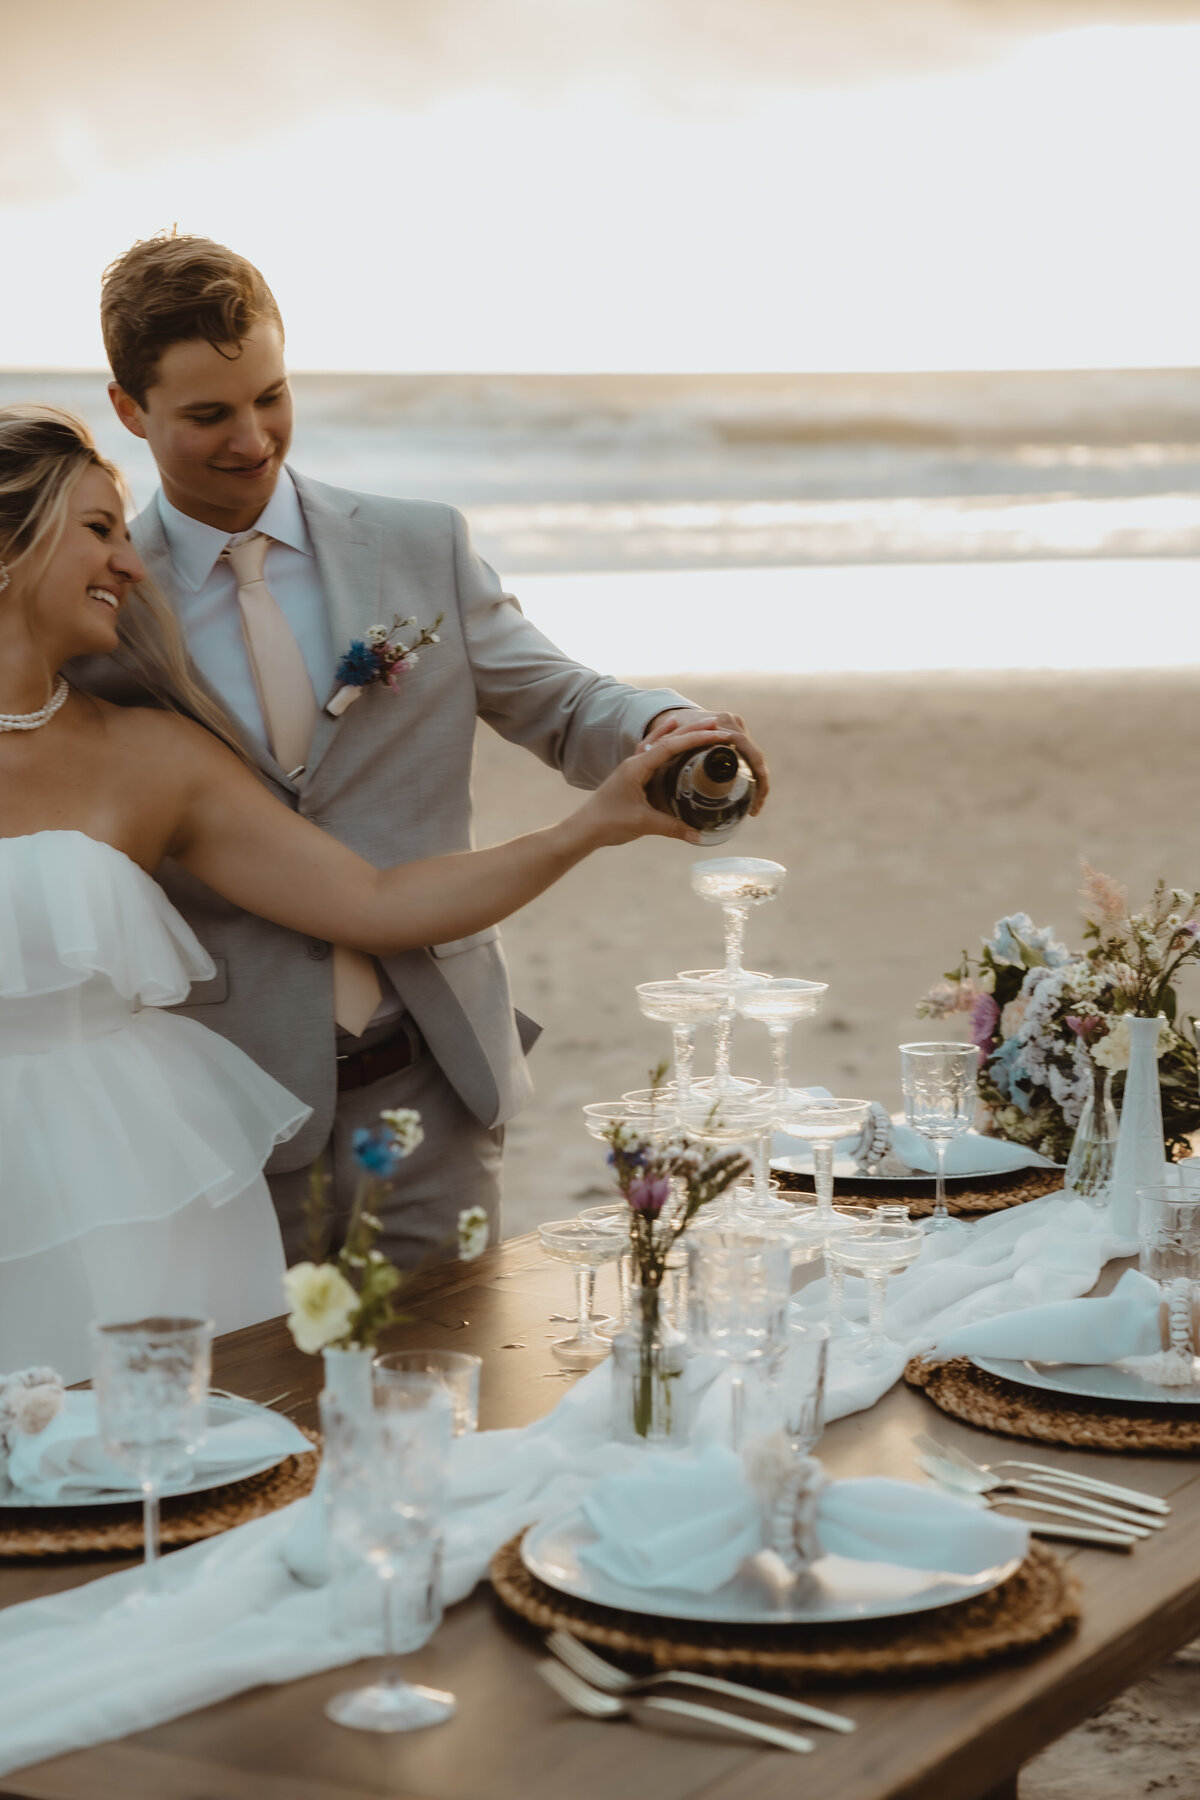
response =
{"points": [[649, 1360], [1090, 1164], [1140, 1149]]}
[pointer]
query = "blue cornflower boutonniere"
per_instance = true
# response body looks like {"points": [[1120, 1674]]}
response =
{"points": [[380, 656]]}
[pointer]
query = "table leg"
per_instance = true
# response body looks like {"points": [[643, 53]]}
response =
{"points": [[1006, 1791]]}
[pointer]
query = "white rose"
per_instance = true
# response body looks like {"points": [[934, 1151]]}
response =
{"points": [[1112, 1052], [473, 1233], [322, 1302]]}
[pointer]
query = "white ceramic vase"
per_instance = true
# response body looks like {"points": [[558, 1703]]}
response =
{"points": [[1140, 1151]]}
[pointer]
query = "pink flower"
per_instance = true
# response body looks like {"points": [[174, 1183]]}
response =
{"points": [[649, 1194], [1090, 1029], [985, 1015], [1104, 896]]}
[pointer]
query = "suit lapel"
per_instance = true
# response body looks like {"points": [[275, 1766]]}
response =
{"points": [[349, 553], [150, 540]]}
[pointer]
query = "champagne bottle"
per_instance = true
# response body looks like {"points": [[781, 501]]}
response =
{"points": [[710, 790]]}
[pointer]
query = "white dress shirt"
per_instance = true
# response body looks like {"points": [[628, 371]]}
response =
{"points": [[207, 602], [207, 605]]}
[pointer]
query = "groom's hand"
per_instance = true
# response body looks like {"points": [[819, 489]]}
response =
{"points": [[730, 728]]}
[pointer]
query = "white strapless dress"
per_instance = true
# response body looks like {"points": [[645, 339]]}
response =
{"points": [[132, 1142]]}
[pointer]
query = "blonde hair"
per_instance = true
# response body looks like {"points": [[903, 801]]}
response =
{"points": [[44, 454]]}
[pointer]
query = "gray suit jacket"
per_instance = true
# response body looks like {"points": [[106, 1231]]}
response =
{"points": [[392, 779]]}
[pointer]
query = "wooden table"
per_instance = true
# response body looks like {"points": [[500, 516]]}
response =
{"points": [[513, 1739]]}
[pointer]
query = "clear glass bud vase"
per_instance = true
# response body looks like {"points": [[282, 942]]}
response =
{"points": [[1093, 1151], [649, 1359]]}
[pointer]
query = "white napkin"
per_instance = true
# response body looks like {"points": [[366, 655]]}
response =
{"points": [[67, 1458], [1124, 1323], [687, 1523]]}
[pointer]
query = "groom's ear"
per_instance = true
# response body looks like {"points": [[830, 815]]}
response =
{"points": [[126, 409]]}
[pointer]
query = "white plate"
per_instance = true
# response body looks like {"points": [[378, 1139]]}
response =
{"points": [[222, 1410], [1095, 1381], [839, 1589], [846, 1169]]}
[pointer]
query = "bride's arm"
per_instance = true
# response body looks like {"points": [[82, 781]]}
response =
{"points": [[235, 837]]}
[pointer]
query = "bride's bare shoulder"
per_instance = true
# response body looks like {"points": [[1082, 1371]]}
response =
{"points": [[156, 731]]}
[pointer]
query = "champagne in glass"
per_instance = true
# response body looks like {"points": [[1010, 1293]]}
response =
{"points": [[778, 1004], [735, 884]]}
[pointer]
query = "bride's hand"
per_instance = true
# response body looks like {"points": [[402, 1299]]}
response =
{"points": [[619, 811]]}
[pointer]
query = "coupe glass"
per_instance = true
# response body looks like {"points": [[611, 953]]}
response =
{"points": [[682, 1006], [151, 1381], [940, 1088], [735, 884], [457, 1371], [387, 1493], [821, 1124], [886, 1251], [725, 1121], [708, 980], [778, 1004], [587, 1244], [739, 1286]]}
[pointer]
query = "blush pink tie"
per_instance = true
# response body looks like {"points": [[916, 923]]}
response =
{"points": [[289, 709]]}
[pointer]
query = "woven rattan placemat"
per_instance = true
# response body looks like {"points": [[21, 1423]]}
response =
{"points": [[1024, 1613], [981, 1194], [186, 1518], [968, 1393]]}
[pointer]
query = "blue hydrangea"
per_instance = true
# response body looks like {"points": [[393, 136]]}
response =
{"points": [[374, 1151], [358, 666], [1019, 943], [1009, 1073]]}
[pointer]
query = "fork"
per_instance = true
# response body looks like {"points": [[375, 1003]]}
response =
{"points": [[592, 1668], [587, 1700], [1090, 1483], [981, 1475], [1084, 1528]]}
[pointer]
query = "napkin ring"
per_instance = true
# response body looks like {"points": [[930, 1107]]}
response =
{"points": [[790, 1487], [875, 1140]]}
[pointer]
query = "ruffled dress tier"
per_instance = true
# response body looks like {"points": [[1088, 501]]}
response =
{"points": [[132, 1142]]}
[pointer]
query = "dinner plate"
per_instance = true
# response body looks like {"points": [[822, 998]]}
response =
{"points": [[839, 1589], [222, 1410], [1093, 1381], [916, 1180]]}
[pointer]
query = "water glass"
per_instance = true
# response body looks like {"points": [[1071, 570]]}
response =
{"points": [[151, 1381], [456, 1370], [387, 1471], [739, 1286], [802, 1385], [940, 1083]]}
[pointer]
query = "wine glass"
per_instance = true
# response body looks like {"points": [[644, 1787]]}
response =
{"points": [[735, 884], [739, 1286], [939, 1083], [888, 1250], [151, 1380], [778, 1004], [718, 980], [387, 1494], [587, 1244], [682, 1006]]}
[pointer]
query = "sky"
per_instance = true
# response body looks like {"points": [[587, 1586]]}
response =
{"points": [[632, 185]]}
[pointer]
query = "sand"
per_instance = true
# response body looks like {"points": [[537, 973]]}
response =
{"points": [[911, 811]]}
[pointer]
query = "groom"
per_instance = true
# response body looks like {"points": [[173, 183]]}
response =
{"points": [[272, 577]]}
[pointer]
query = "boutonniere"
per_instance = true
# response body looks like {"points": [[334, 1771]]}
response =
{"points": [[379, 656]]}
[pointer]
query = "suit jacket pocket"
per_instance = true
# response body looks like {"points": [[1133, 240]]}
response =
{"points": [[489, 935], [212, 992]]}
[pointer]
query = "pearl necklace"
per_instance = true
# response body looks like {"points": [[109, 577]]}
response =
{"points": [[31, 721]]}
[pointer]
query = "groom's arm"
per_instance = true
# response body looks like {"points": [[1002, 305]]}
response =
{"points": [[532, 693]]}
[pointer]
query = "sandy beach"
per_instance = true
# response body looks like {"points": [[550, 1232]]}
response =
{"points": [[911, 811]]}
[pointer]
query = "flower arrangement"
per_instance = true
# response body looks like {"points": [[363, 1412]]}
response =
{"points": [[377, 658], [1041, 1013], [344, 1302]]}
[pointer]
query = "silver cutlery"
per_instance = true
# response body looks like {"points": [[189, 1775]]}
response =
{"points": [[1081, 1530], [1089, 1483], [596, 1705], [982, 1477], [611, 1680]]}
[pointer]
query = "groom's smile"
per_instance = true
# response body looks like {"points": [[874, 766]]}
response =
{"points": [[218, 419]]}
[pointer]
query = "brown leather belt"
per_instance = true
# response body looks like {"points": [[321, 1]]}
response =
{"points": [[364, 1067]]}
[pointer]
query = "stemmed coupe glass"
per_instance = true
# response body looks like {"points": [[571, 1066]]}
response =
{"points": [[779, 1004], [587, 1244], [821, 1124], [682, 1005], [940, 1087], [726, 1121], [718, 981], [886, 1250], [735, 884], [151, 1380], [387, 1485]]}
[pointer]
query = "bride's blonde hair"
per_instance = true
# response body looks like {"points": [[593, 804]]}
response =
{"points": [[44, 454]]}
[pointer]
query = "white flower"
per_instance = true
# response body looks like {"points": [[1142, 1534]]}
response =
{"points": [[1112, 1052], [406, 1124], [322, 1302], [377, 634], [34, 1407], [434, 638], [986, 981], [473, 1233]]}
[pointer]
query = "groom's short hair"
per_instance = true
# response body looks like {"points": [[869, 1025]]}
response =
{"points": [[173, 290]]}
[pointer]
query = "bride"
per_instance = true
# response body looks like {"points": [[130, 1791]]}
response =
{"points": [[132, 1141]]}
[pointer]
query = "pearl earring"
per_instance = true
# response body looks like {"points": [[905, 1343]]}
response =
{"points": [[5, 577]]}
